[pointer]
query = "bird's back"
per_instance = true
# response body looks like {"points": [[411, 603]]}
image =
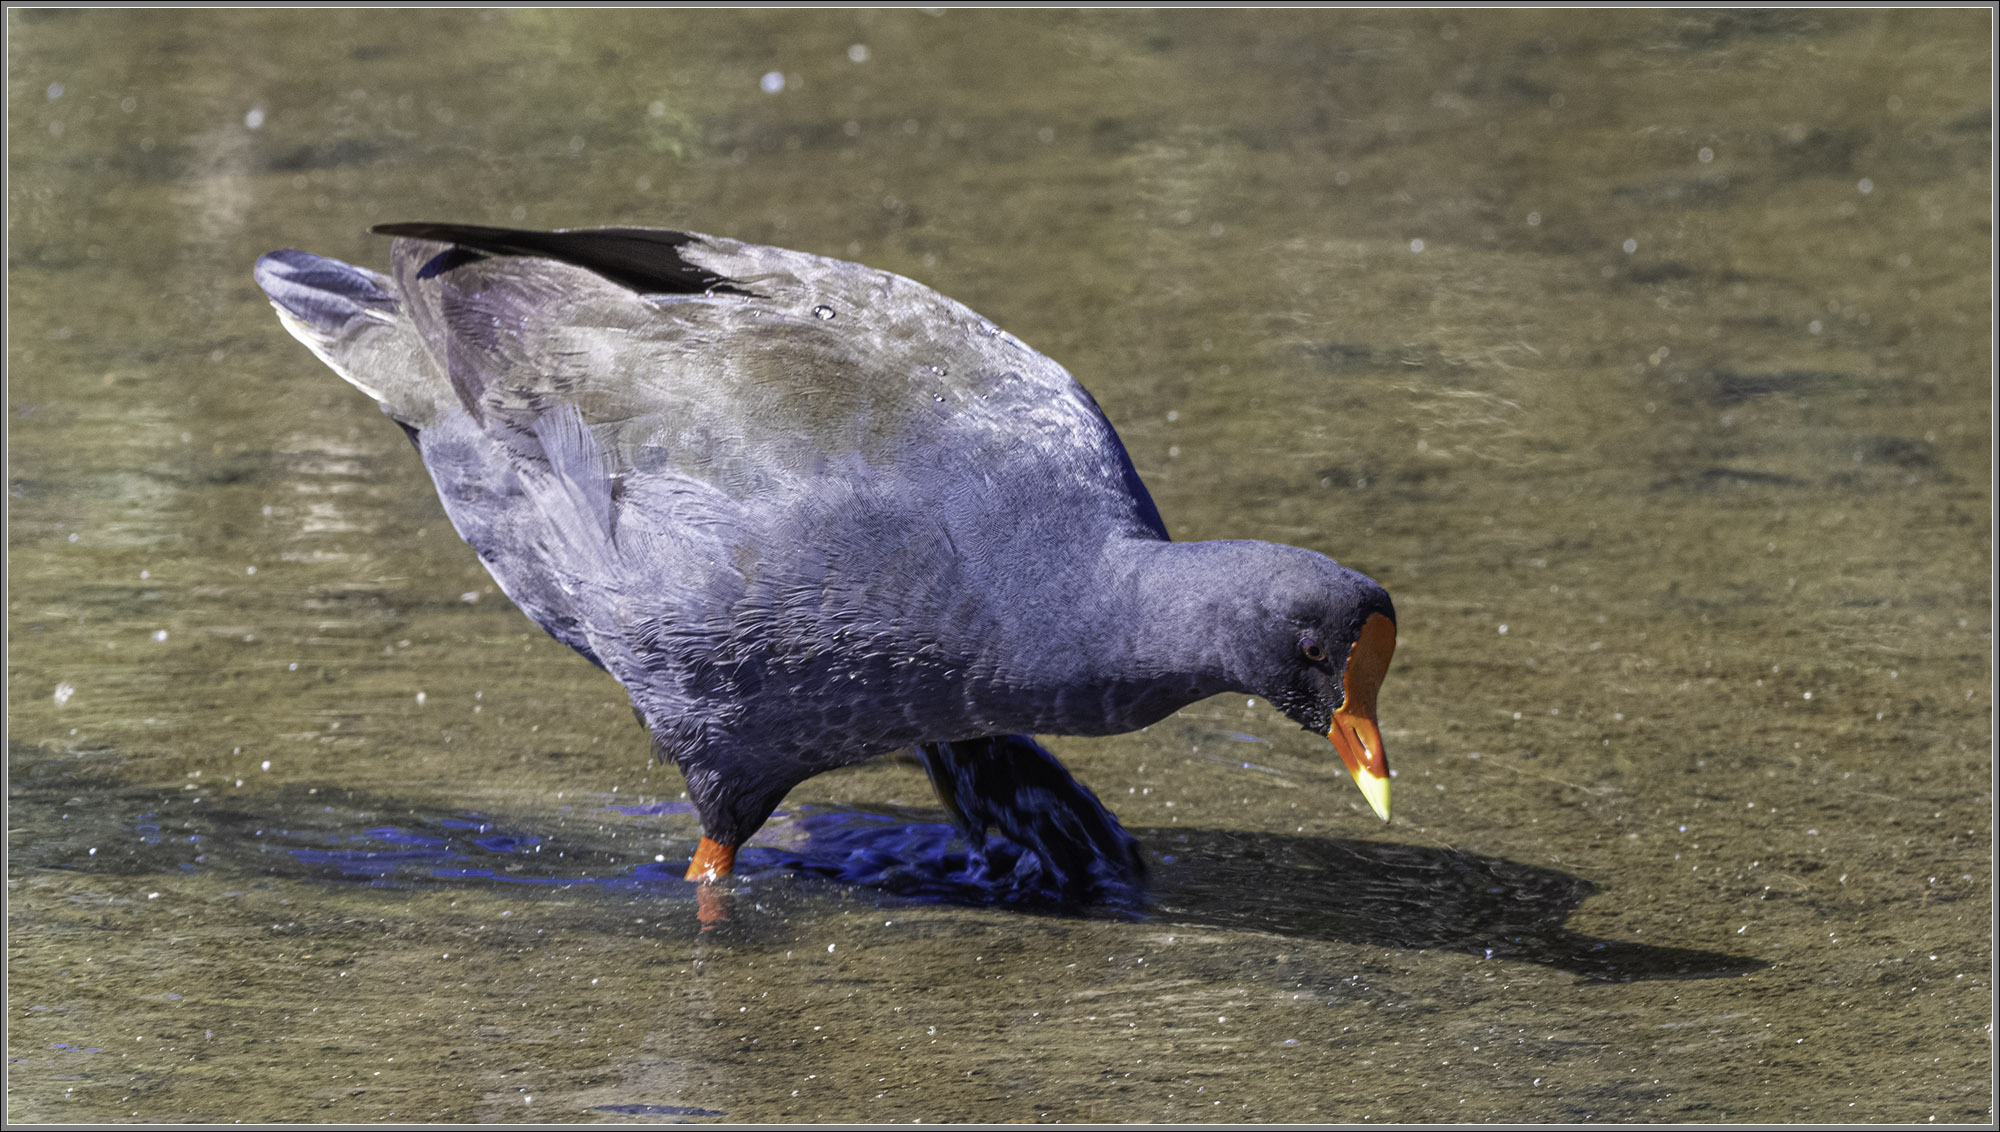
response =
{"points": [[736, 476]]}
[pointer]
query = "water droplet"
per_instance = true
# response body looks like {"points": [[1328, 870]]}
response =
{"points": [[858, 53], [772, 82], [823, 312]]}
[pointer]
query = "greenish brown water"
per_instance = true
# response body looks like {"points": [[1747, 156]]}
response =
{"points": [[1645, 358]]}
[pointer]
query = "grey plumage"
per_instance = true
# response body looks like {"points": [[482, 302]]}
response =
{"points": [[805, 511]]}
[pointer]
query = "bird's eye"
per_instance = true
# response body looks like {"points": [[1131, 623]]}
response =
{"points": [[1312, 649]]}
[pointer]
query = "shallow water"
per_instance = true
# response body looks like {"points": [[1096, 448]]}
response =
{"points": [[1645, 358]]}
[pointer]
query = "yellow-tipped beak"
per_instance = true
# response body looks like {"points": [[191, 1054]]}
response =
{"points": [[1354, 732], [1360, 744]]}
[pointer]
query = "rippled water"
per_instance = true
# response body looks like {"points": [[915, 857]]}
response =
{"points": [[1645, 358]]}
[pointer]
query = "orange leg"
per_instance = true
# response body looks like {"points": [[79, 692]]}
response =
{"points": [[712, 860]]}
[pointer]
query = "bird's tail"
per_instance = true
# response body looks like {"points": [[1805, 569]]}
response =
{"points": [[352, 320]]}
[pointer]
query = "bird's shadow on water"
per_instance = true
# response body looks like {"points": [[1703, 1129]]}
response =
{"points": [[1374, 893], [1393, 895], [1371, 893]]}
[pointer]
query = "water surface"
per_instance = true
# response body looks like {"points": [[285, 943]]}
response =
{"points": [[1644, 357]]}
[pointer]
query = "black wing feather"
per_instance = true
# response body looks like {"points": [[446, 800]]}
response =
{"points": [[645, 259]]}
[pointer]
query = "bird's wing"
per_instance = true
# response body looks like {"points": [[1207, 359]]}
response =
{"points": [[748, 366], [674, 450]]}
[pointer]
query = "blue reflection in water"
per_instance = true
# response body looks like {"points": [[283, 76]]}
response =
{"points": [[389, 855], [922, 860], [656, 809]]}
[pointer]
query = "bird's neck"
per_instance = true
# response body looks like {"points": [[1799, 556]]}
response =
{"points": [[1188, 606], [1161, 615]]}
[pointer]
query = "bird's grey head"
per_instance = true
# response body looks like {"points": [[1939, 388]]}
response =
{"points": [[1322, 639]]}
